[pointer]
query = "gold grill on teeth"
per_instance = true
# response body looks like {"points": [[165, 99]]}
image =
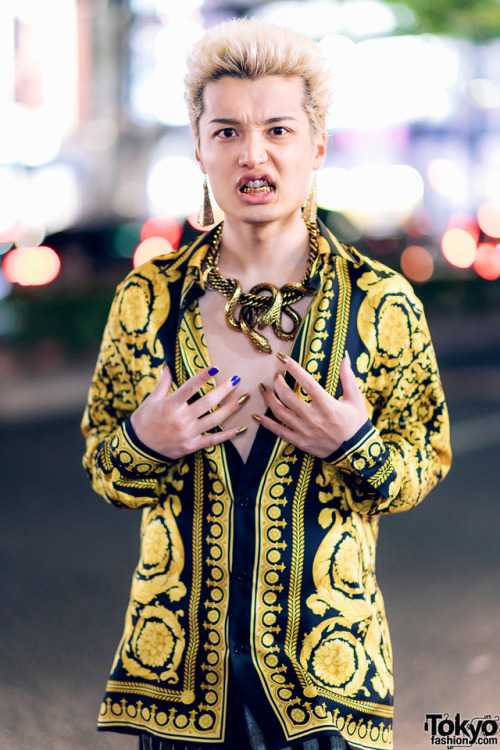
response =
{"points": [[257, 186]]}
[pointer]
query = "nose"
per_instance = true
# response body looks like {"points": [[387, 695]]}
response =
{"points": [[252, 153]]}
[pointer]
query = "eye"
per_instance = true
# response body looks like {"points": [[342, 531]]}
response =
{"points": [[226, 133], [279, 130]]}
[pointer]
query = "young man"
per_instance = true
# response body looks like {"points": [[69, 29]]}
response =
{"points": [[225, 405]]}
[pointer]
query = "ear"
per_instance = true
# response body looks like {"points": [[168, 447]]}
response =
{"points": [[320, 140], [200, 161]]}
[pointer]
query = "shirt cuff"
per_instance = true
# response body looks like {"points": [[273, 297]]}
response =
{"points": [[134, 456], [366, 455]]}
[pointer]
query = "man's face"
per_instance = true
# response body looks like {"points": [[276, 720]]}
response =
{"points": [[256, 146]]}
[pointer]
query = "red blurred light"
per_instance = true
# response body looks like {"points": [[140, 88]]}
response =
{"points": [[162, 226], [487, 262], [488, 217], [151, 248], [417, 263], [31, 266], [467, 223]]}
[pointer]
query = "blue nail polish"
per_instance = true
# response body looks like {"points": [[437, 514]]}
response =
{"points": [[213, 371], [235, 380]]}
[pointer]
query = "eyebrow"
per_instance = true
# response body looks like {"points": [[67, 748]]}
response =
{"points": [[231, 121]]}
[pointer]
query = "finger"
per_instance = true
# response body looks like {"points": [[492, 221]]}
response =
{"points": [[288, 397], [278, 429], [303, 378], [350, 386], [164, 383], [214, 397], [195, 383], [215, 438], [219, 416], [282, 412]]}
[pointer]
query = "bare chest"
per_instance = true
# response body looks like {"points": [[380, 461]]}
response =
{"points": [[231, 351]]}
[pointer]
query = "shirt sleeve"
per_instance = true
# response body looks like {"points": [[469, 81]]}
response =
{"points": [[121, 468], [399, 455]]}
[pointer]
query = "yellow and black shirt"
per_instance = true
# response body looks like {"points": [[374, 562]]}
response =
{"points": [[266, 570]]}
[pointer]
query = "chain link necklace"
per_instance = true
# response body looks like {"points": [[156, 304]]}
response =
{"points": [[265, 304]]}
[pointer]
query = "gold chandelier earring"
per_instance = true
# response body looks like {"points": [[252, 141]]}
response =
{"points": [[311, 205], [206, 215]]}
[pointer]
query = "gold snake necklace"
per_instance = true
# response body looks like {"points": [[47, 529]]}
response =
{"points": [[265, 303]]}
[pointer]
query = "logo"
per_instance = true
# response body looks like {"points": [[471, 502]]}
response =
{"points": [[458, 732]]}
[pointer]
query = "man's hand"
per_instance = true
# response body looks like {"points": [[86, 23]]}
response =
{"points": [[320, 426], [167, 424]]}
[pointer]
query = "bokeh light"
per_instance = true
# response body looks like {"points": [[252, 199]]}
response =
{"points": [[151, 248], [488, 218], [332, 188], [174, 185], [467, 223], [391, 80], [37, 202], [483, 93], [374, 198], [447, 178], [31, 266], [158, 57], [364, 18], [487, 261], [459, 248], [417, 263], [30, 236], [162, 226], [52, 198]]}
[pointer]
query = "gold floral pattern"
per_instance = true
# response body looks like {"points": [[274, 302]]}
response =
{"points": [[155, 543], [154, 644], [334, 662], [394, 332], [347, 563], [135, 306]]}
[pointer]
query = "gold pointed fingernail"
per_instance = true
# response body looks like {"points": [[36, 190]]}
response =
{"points": [[282, 357], [240, 430], [242, 400], [262, 387], [256, 417]]}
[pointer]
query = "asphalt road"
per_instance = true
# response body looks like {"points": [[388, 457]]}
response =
{"points": [[67, 560]]}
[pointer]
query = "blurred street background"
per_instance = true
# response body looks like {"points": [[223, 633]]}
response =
{"points": [[97, 174]]}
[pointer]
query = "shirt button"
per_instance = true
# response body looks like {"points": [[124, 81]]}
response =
{"points": [[239, 648], [242, 575], [244, 502]]}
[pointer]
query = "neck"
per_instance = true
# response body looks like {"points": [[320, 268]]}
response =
{"points": [[276, 252]]}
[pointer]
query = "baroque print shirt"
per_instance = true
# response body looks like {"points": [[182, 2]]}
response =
{"points": [[269, 574]]}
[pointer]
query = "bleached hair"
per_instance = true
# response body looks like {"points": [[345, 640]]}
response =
{"points": [[248, 48]]}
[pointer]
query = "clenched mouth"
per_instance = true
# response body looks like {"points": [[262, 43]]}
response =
{"points": [[257, 186]]}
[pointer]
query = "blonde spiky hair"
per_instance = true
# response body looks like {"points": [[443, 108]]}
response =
{"points": [[250, 49]]}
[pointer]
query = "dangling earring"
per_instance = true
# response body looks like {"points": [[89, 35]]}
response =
{"points": [[206, 215], [311, 205]]}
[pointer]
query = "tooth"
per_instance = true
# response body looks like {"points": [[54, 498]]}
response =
{"points": [[256, 183]]}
